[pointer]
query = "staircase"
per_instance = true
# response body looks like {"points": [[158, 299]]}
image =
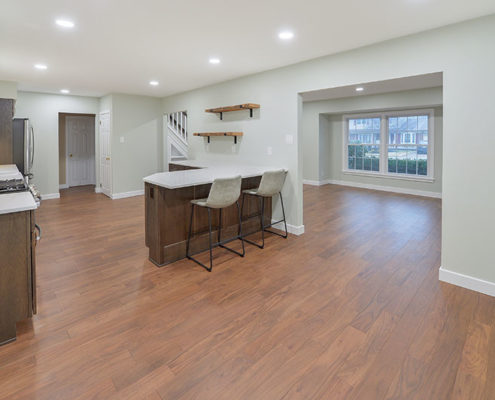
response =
{"points": [[177, 136]]}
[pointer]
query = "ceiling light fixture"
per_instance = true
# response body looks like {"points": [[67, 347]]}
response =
{"points": [[40, 66], [359, 89], [214, 60], [65, 23], [154, 83], [65, 91], [286, 35]]}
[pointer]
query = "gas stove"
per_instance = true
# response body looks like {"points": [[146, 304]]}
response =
{"points": [[13, 185]]}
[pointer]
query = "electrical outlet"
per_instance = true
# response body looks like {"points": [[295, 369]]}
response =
{"points": [[122, 139], [269, 150]]}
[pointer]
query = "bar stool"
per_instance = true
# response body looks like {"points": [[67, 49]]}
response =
{"points": [[270, 185], [223, 193]]}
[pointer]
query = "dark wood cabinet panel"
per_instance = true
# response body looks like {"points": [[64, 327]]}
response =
{"points": [[6, 115], [17, 271]]}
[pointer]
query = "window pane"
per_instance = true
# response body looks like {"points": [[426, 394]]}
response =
{"points": [[364, 130], [352, 151], [423, 122], [359, 163], [392, 123], [402, 123], [412, 123], [422, 160], [412, 161], [392, 159]]}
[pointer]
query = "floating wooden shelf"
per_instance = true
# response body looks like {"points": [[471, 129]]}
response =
{"points": [[239, 107], [209, 134]]}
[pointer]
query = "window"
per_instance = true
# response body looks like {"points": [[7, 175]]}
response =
{"points": [[394, 144], [364, 144]]}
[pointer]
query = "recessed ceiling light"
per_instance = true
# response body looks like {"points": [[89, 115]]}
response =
{"points": [[40, 66], [359, 89], [154, 83], [65, 91], [286, 35], [214, 60], [64, 23]]}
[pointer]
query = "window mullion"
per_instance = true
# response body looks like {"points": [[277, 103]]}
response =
{"points": [[383, 144]]}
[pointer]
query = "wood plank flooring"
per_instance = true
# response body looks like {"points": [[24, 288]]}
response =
{"points": [[353, 309]]}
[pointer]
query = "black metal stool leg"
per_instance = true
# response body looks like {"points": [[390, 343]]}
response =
{"points": [[190, 231], [284, 221], [209, 239], [261, 208], [240, 227]]}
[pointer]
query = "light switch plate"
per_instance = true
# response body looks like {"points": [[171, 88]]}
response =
{"points": [[269, 150], [289, 139], [122, 139]]}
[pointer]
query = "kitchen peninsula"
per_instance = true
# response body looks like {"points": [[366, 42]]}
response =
{"points": [[168, 208]]}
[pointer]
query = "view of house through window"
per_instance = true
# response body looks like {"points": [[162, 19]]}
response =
{"points": [[389, 143]]}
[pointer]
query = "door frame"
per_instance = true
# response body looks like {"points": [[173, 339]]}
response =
{"points": [[67, 169], [99, 186]]}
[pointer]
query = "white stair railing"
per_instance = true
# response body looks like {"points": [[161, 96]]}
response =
{"points": [[177, 136], [177, 123]]}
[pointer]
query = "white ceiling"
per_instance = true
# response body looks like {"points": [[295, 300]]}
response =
{"points": [[386, 86], [120, 45]]}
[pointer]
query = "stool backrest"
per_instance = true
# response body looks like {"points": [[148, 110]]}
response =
{"points": [[224, 192], [272, 183]]}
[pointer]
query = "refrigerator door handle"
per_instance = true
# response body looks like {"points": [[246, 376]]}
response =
{"points": [[31, 161]]}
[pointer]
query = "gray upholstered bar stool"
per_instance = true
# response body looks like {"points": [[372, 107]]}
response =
{"points": [[223, 193], [271, 184]]}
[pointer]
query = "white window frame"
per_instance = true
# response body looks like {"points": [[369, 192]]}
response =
{"points": [[383, 172]]}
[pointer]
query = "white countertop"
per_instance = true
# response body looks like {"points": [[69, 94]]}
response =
{"points": [[208, 172], [16, 202]]}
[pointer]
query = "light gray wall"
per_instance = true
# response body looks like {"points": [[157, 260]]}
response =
{"points": [[8, 90], [465, 53], [42, 109], [138, 120], [323, 135]]}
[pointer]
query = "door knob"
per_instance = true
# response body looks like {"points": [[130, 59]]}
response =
{"points": [[70, 155]]}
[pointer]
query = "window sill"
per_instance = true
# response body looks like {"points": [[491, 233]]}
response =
{"points": [[390, 176]]}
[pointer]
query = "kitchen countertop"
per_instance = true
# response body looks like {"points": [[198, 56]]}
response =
{"points": [[16, 202], [208, 171]]}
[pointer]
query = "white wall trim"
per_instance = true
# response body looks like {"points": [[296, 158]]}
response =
{"points": [[98, 189], [466, 281], [314, 183], [392, 189], [295, 230], [124, 195], [50, 196], [63, 186]]}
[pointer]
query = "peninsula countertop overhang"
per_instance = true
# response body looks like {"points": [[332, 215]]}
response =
{"points": [[206, 173]]}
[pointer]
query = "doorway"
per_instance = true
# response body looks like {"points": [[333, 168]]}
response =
{"points": [[76, 149]]}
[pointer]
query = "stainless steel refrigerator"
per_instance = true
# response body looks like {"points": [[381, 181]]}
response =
{"points": [[23, 146]]}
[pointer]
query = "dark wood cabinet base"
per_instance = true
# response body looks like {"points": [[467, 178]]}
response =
{"points": [[17, 297]]}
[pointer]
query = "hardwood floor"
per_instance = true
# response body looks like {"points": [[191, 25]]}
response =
{"points": [[353, 309]]}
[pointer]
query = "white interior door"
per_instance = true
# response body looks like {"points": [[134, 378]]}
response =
{"points": [[80, 133], [105, 155]]}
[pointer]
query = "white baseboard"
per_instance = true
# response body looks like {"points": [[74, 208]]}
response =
{"points": [[314, 183], [50, 196], [124, 195], [392, 189], [467, 282], [63, 186], [295, 230], [98, 189]]}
